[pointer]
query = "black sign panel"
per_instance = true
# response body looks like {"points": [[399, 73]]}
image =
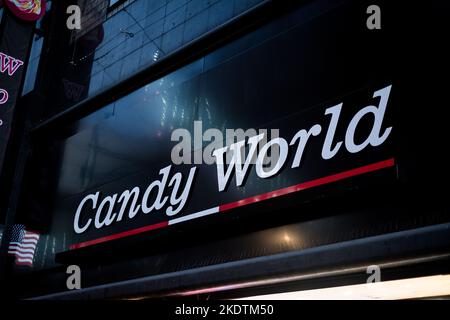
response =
{"points": [[166, 194]]}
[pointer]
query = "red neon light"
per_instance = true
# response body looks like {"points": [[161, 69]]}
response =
{"points": [[309, 184], [119, 235]]}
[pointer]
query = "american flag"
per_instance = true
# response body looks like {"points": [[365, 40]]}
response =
{"points": [[23, 245]]}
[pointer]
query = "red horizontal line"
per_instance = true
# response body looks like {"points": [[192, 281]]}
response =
{"points": [[120, 235], [309, 184], [240, 203]]}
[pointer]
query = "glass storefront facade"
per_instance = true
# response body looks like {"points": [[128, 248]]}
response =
{"points": [[104, 113], [125, 38], [222, 89]]}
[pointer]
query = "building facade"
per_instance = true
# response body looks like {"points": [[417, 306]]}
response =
{"points": [[108, 130]]}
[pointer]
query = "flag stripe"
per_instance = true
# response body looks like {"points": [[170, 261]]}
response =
{"points": [[23, 247], [22, 255], [31, 235], [13, 248]]}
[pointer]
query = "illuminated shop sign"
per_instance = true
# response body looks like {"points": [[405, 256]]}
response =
{"points": [[325, 146], [29, 10], [11, 69], [9, 66]]}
